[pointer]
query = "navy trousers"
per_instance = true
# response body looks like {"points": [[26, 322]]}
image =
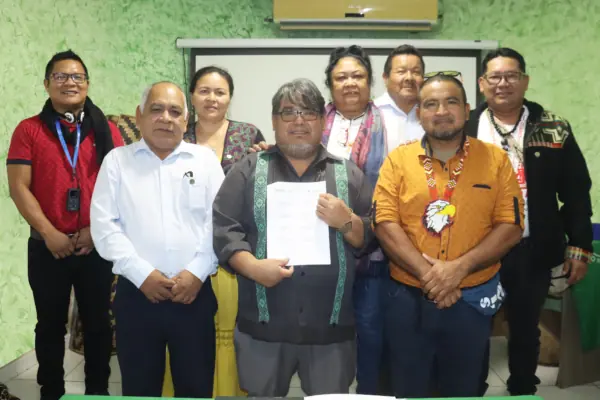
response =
{"points": [[426, 343], [143, 331]]}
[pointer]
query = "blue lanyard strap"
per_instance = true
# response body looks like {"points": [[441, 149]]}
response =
{"points": [[72, 161]]}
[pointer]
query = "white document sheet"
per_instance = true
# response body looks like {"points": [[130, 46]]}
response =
{"points": [[293, 229], [349, 396]]}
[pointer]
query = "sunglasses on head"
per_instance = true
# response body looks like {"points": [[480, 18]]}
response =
{"points": [[454, 74]]}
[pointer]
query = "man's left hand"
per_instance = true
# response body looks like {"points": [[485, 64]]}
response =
{"points": [[186, 288], [83, 243], [577, 268], [443, 278], [333, 211]]}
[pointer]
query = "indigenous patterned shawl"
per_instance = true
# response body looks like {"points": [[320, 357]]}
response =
{"points": [[370, 146]]}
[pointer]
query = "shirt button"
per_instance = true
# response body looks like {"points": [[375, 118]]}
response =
{"points": [[443, 251], [302, 273], [301, 309], [446, 169]]}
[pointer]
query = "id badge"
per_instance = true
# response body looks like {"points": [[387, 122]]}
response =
{"points": [[73, 199]]}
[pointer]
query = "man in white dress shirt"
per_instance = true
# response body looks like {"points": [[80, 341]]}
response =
{"points": [[403, 75], [152, 217]]}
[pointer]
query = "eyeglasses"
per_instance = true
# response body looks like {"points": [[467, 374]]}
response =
{"points": [[61, 77], [291, 115], [511, 77], [454, 74]]}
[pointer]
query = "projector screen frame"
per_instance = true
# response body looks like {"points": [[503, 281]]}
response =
{"points": [[374, 47]]}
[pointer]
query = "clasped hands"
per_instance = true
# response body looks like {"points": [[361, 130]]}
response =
{"points": [[62, 245], [183, 288], [441, 282]]}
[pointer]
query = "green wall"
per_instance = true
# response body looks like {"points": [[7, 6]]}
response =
{"points": [[127, 44]]}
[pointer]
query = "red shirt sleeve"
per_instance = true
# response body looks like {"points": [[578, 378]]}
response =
{"points": [[116, 135], [21, 145]]}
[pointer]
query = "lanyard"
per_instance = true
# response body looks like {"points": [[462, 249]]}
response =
{"points": [[72, 161]]}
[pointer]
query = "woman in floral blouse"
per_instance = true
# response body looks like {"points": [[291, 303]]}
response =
{"points": [[211, 90]]}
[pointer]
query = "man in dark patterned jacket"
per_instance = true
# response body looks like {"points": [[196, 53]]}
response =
{"points": [[550, 168]]}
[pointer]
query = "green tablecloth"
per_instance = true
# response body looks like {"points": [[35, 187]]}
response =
{"points": [[587, 302]]}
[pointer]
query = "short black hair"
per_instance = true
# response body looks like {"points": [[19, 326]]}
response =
{"points": [[300, 92], [398, 51], [503, 52], [210, 70], [353, 51], [62, 56], [446, 78]]}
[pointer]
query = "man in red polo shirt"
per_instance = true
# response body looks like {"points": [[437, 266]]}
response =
{"points": [[53, 160]]}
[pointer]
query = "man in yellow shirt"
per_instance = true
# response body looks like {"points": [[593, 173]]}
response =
{"points": [[446, 209]]}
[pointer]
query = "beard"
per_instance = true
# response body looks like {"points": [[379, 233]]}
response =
{"points": [[445, 135], [299, 151]]}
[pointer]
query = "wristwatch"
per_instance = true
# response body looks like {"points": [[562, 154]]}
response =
{"points": [[347, 227]]}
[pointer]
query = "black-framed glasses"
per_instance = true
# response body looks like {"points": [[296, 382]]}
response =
{"points": [[454, 74], [61, 77], [291, 115], [511, 77]]}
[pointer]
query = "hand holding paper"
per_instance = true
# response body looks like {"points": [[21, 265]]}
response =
{"points": [[333, 211], [293, 229]]}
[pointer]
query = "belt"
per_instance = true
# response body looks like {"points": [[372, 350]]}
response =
{"points": [[38, 236], [35, 234]]}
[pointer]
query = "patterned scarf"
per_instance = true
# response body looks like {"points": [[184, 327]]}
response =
{"points": [[370, 146]]}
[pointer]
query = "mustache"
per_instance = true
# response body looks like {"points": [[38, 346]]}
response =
{"points": [[443, 120]]}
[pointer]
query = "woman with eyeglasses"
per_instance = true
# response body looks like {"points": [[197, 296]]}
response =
{"points": [[211, 90]]}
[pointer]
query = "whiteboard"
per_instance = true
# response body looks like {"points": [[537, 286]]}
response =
{"points": [[259, 71]]}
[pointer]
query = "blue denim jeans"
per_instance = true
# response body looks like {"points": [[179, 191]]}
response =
{"points": [[369, 316]]}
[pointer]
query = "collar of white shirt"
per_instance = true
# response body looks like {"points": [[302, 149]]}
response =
{"points": [[183, 147], [385, 100]]}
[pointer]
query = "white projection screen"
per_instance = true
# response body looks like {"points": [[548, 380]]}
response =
{"points": [[260, 67]]}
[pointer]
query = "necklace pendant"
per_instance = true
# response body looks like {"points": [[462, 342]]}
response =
{"points": [[439, 215]]}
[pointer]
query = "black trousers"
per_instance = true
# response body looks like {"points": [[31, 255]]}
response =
{"points": [[51, 281], [145, 329], [526, 285]]}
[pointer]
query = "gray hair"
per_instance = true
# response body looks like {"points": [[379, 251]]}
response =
{"points": [[300, 92], [147, 90]]}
